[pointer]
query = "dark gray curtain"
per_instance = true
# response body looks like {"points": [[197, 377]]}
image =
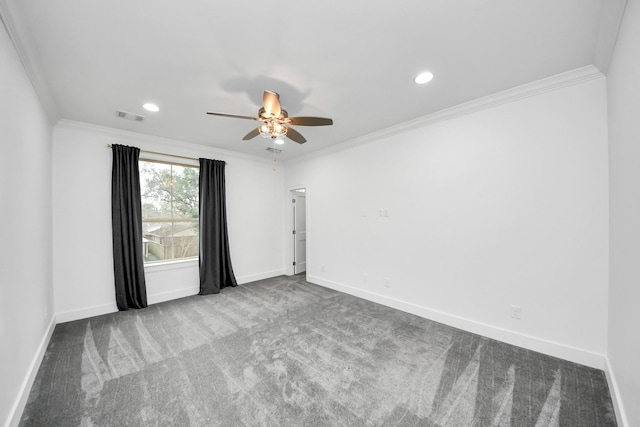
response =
{"points": [[215, 261], [126, 220]]}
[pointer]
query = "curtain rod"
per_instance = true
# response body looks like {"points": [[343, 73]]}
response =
{"points": [[165, 154]]}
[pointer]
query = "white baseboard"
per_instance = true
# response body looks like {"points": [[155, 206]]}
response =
{"points": [[21, 400], [621, 416], [84, 313], [260, 276], [562, 351], [171, 295], [186, 292], [97, 310]]}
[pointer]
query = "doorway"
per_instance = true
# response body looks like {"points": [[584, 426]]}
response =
{"points": [[299, 230]]}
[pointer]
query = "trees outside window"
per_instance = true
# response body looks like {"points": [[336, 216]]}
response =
{"points": [[170, 226]]}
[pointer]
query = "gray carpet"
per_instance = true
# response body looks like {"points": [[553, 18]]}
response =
{"points": [[286, 352]]}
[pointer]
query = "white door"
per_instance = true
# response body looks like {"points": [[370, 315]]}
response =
{"points": [[299, 231]]}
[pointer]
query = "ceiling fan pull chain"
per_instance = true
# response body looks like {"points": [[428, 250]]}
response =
{"points": [[274, 155]]}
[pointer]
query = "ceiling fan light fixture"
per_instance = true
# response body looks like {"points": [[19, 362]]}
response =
{"points": [[279, 141], [424, 77], [273, 129]]}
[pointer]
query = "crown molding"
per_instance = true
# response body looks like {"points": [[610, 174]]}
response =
{"points": [[10, 18], [538, 87], [181, 148]]}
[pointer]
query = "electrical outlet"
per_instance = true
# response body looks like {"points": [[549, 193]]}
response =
{"points": [[516, 312], [387, 282], [322, 268]]}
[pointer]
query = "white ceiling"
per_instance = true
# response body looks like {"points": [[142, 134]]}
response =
{"points": [[351, 61]]}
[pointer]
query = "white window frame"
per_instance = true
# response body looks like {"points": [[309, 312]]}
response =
{"points": [[175, 262]]}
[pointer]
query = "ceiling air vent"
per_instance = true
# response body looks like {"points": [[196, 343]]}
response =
{"points": [[129, 116], [274, 150]]}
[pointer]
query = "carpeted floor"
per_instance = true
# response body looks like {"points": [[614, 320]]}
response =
{"points": [[284, 352]]}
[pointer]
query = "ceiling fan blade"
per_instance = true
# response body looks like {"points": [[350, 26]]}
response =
{"points": [[235, 116], [310, 121], [251, 134], [294, 135], [271, 101]]}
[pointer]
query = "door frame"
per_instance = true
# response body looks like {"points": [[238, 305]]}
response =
{"points": [[290, 225]]}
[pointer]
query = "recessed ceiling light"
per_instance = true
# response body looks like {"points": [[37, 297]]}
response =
{"points": [[279, 141], [423, 78], [151, 107]]}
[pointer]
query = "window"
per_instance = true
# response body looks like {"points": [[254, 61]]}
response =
{"points": [[170, 228]]}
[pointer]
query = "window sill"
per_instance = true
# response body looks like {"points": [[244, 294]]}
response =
{"points": [[171, 265]]}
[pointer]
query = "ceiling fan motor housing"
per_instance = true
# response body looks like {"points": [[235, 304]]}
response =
{"points": [[264, 115]]}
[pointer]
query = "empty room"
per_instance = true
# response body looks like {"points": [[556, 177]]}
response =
{"points": [[413, 213]]}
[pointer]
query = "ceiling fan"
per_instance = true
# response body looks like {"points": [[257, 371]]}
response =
{"points": [[277, 122]]}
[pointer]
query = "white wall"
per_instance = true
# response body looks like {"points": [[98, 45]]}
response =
{"points": [[624, 139], [83, 260], [26, 298], [507, 205]]}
